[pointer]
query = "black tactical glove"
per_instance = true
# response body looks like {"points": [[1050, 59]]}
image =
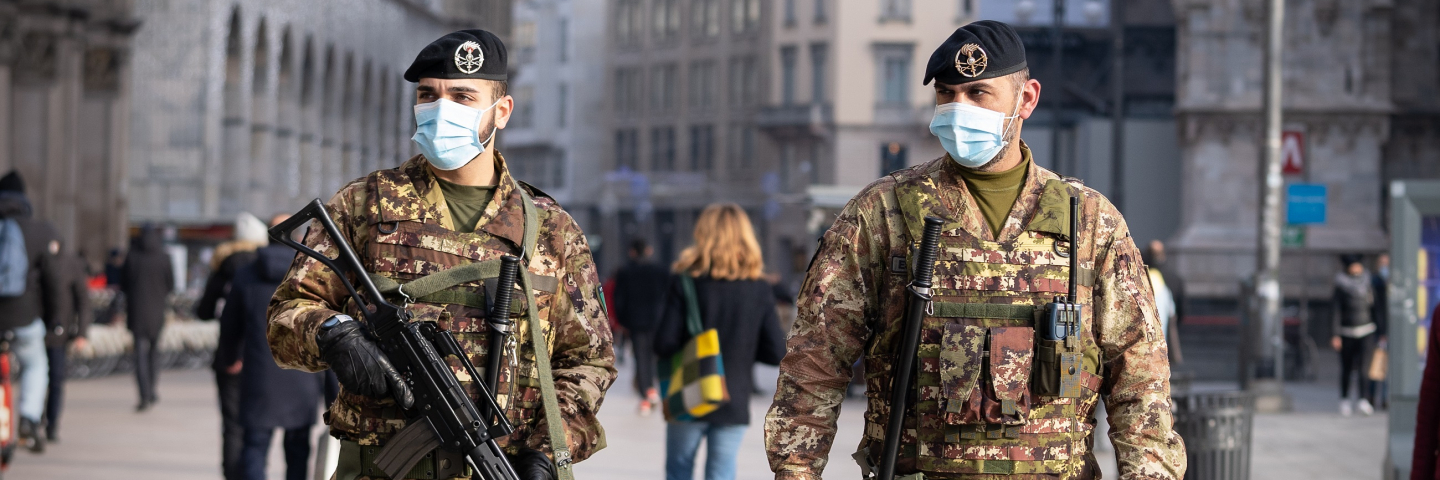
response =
{"points": [[358, 362], [532, 464]]}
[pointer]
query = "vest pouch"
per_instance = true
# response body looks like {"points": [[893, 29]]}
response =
{"points": [[1011, 354], [1047, 367], [961, 362]]}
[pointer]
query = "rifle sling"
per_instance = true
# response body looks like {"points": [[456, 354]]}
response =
{"points": [[559, 440]]}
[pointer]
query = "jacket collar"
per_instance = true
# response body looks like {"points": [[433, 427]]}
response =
{"points": [[415, 194], [958, 201]]}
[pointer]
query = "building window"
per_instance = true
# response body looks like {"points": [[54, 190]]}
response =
{"points": [[662, 149], [818, 71], [629, 22], [628, 91], [895, 10], [745, 15], [705, 15], [564, 32], [563, 98], [627, 149], [744, 82], [787, 75], [892, 157], [894, 63], [702, 148], [967, 8], [742, 145], [665, 19], [790, 20], [702, 85], [821, 16], [524, 42], [663, 88]]}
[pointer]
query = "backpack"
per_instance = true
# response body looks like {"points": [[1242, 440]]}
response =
{"points": [[14, 262]]}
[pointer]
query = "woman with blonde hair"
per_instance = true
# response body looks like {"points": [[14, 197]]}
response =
{"points": [[727, 269]]}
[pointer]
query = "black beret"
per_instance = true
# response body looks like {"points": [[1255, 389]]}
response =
{"points": [[980, 50], [463, 54]]}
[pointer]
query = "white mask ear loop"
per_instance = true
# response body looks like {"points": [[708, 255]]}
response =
{"points": [[1014, 114], [483, 145]]}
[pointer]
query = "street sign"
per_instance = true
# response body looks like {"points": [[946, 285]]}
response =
{"points": [[1292, 152], [1305, 204], [1293, 236]]}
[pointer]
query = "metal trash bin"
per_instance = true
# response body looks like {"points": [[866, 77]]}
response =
{"points": [[1217, 428]]}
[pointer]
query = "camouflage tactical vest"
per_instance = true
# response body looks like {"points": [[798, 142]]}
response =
{"points": [[403, 240], [976, 409]]}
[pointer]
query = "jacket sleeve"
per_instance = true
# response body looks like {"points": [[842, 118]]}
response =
{"points": [[670, 334], [771, 347], [232, 328], [52, 290], [1427, 417], [583, 356], [310, 292], [830, 332], [1136, 367], [80, 294], [214, 289]]}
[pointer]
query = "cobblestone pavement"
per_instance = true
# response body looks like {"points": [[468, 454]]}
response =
{"points": [[179, 439]]}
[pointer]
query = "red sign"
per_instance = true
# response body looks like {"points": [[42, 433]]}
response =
{"points": [[1292, 152]]}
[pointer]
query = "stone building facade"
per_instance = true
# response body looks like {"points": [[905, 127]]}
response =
{"points": [[64, 113], [261, 105], [1337, 93]]}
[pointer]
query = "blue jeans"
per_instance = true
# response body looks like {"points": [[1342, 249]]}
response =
{"points": [[257, 447], [29, 350], [722, 445]]}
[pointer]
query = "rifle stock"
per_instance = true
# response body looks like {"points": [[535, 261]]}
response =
{"points": [[918, 302], [443, 415]]}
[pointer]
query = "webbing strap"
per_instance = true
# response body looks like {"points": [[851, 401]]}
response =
{"points": [[436, 283], [984, 310], [559, 439], [692, 309]]}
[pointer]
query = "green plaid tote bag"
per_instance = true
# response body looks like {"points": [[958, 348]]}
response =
{"points": [[693, 380]]}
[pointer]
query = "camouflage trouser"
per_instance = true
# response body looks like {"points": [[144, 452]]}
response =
{"points": [[353, 466]]}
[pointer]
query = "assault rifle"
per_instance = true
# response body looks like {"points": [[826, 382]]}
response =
{"points": [[919, 303], [443, 415]]}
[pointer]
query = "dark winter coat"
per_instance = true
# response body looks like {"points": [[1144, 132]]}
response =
{"points": [[218, 283], [71, 316], [147, 279], [270, 396], [21, 310], [640, 295], [743, 313], [1353, 300]]}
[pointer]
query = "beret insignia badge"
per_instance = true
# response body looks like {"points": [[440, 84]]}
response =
{"points": [[973, 62], [469, 58]]}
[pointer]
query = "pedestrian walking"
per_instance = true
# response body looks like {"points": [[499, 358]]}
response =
{"points": [[271, 398], [147, 281], [456, 205], [68, 321], [26, 275], [732, 296], [1355, 331], [1005, 241], [1380, 288], [1166, 287], [639, 299], [229, 257]]}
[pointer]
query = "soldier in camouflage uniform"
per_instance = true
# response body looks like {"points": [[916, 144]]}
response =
{"points": [[991, 399], [454, 205]]}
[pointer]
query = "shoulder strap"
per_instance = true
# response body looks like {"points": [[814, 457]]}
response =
{"points": [[559, 439], [692, 309]]}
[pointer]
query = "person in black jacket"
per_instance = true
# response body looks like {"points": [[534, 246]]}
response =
{"points": [[270, 397], [1354, 332], [639, 297], [1380, 312], [734, 299], [146, 281], [67, 324], [24, 314], [229, 257]]}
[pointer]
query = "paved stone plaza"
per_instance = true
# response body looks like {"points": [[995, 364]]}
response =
{"points": [[180, 438]]}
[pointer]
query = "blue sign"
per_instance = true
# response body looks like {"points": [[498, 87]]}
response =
{"points": [[1305, 204]]}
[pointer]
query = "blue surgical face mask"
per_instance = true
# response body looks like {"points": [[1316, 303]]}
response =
{"points": [[447, 133], [970, 134]]}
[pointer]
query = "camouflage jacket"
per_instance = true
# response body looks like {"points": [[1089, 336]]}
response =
{"points": [[399, 224], [852, 305]]}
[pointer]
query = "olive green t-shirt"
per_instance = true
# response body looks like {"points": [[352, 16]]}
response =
{"points": [[995, 192], [467, 203]]}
